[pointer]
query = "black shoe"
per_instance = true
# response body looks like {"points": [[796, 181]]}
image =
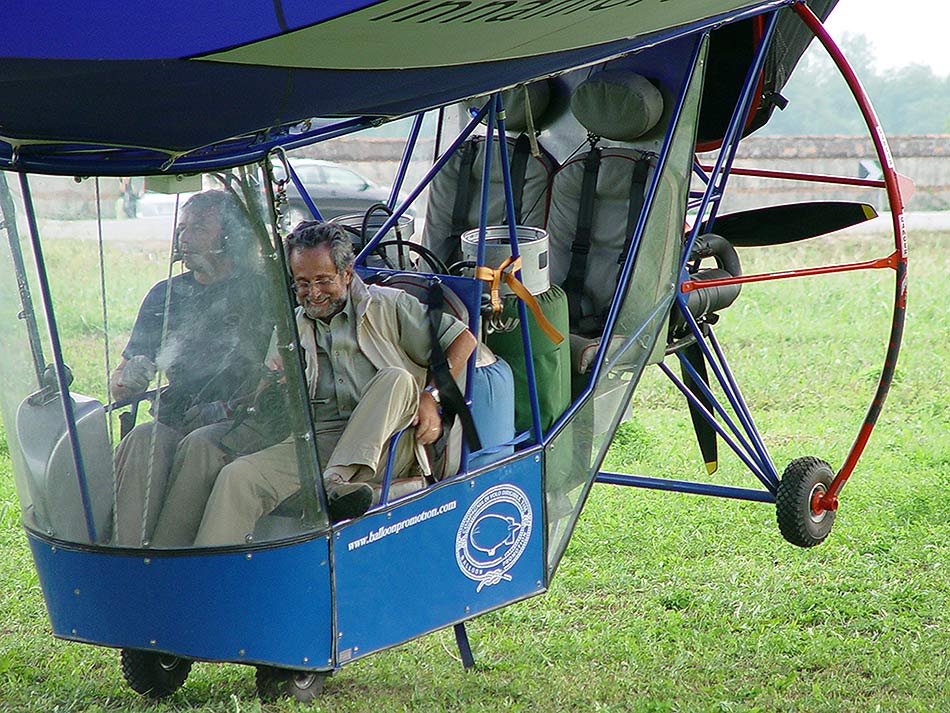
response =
{"points": [[348, 500]]}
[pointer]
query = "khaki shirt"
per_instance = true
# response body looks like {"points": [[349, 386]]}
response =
{"points": [[377, 327]]}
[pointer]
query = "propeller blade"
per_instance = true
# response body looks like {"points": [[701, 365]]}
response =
{"points": [[780, 224], [705, 433]]}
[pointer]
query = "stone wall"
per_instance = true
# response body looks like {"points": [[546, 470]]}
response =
{"points": [[924, 159]]}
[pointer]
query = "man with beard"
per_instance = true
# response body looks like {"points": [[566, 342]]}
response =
{"points": [[207, 333], [367, 349]]}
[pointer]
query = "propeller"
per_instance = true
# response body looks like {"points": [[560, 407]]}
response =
{"points": [[789, 223], [705, 433]]}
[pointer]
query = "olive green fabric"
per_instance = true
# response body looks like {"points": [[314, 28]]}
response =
{"points": [[617, 104], [552, 362]]}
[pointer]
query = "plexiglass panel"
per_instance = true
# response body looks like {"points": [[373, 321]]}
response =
{"points": [[574, 456], [186, 423]]}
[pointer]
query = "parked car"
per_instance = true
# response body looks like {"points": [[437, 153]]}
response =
{"points": [[152, 204], [334, 188]]}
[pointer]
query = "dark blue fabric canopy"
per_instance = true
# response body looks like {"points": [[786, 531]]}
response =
{"points": [[138, 88]]}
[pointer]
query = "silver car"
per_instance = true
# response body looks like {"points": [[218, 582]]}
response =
{"points": [[334, 188]]}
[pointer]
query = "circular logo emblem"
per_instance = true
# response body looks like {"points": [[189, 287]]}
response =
{"points": [[493, 534]]}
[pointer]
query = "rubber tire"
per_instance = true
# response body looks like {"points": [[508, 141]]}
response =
{"points": [[154, 674], [301, 686], [796, 520]]}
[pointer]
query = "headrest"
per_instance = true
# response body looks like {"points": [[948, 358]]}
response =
{"points": [[617, 104], [515, 102]]}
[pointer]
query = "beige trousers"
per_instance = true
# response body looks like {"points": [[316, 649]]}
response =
{"points": [[253, 485], [143, 462], [198, 460]]}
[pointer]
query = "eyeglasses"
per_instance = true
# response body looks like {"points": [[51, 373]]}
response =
{"points": [[305, 286]]}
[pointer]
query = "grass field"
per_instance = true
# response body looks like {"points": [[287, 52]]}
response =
{"points": [[665, 602]]}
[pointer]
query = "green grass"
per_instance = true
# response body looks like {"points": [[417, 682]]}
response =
{"points": [[667, 602]]}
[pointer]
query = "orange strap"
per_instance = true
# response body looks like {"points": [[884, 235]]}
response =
{"points": [[506, 271]]}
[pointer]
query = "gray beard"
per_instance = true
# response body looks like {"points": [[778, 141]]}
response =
{"points": [[329, 309]]}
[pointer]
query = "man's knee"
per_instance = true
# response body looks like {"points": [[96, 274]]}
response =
{"points": [[237, 480], [148, 435], [396, 383], [201, 445]]}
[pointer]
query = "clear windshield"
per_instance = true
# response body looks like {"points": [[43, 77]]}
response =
{"points": [[174, 336], [575, 454]]}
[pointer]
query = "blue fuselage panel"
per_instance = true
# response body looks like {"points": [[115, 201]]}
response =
{"points": [[461, 549], [267, 605]]}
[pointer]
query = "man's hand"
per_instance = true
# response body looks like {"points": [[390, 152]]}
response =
{"points": [[132, 377], [428, 420]]}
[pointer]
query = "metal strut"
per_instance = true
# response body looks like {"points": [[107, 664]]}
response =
{"points": [[465, 649]]}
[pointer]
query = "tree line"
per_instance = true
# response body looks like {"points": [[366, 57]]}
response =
{"points": [[908, 100]]}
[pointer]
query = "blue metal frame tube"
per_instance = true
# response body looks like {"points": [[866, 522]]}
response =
{"points": [[707, 392], [58, 364], [486, 180], [753, 432], [388, 473], [726, 380], [744, 456], [406, 157], [730, 142], [312, 207], [685, 486], [426, 180], [516, 252]]}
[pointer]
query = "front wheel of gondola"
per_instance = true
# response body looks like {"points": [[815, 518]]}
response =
{"points": [[800, 518], [301, 686], [154, 674]]}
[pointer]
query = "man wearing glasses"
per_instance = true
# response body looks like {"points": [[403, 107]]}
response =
{"points": [[367, 349]]}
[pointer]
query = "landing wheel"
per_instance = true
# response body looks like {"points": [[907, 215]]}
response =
{"points": [[153, 674], [804, 481], [302, 686]]}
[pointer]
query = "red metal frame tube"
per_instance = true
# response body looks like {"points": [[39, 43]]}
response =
{"points": [[830, 500], [797, 176], [891, 261]]}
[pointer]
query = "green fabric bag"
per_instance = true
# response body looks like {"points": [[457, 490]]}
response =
{"points": [[552, 362]]}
